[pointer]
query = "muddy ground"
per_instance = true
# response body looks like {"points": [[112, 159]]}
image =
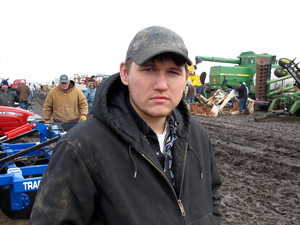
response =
{"points": [[259, 163]]}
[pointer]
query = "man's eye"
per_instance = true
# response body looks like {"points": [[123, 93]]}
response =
{"points": [[148, 69], [173, 72]]}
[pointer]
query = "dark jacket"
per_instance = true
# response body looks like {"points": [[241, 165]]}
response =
{"points": [[191, 91], [9, 97], [242, 91], [104, 171], [199, 89]]}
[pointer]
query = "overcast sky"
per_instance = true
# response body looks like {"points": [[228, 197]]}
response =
{"points": [[40, 40]]}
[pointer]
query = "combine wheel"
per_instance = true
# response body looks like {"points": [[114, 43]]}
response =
{"points": [[283, 62], [6, 206], [279, 72]]}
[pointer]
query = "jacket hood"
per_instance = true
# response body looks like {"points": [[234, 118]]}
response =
{"points": [[111, 107], [71, 85]]}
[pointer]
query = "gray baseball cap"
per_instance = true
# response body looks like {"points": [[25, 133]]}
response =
{"points": [[153, 41], [63, 79]]}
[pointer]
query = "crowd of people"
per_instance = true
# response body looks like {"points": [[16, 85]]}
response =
{"points": [[65, 103], [22, 94]]}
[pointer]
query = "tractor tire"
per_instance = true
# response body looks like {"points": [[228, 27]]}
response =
{"points": [[279, 72], [5, 204], [283, 62]]}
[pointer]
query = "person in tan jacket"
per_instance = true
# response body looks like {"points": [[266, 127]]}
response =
{"points": [[65, 103]]}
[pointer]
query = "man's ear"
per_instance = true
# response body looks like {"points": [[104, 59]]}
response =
{"points": [[187, 74], [123, 73]]}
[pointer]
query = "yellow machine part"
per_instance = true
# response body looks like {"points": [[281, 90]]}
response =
{"points": [[192, 69], [193, 77], [195, 80]]}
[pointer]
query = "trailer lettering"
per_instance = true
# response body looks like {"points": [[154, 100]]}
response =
{"points": [[31, 185]]}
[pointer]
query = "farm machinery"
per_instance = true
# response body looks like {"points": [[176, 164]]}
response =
{"points": [[83, 81], [13, 117], [278, 92], [281, 101], [244, 69], [22, 166]]}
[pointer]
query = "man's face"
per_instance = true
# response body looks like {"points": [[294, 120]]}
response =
{"points": [[4, 87], [155, 87], [64, 86]]}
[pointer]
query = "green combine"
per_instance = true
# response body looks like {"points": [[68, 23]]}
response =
{"points": [[224, 77], [255, 70]]}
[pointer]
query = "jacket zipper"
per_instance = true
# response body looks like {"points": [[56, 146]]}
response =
{"points": [[180, 192], [183, 172]]}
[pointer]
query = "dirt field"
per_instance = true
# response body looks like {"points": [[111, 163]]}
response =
{"points": [[259, 163]]}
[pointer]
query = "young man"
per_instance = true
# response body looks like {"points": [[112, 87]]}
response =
{"points": [[141, 159], [65, 103]]}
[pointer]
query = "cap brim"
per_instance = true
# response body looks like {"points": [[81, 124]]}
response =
{"points": [[143, 56]]}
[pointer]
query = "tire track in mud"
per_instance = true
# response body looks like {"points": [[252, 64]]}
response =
{"points": [[259, 166]]}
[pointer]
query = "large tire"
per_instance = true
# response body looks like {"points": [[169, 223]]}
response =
{"points": [[5, 204], [279, 72], [283, 62]]}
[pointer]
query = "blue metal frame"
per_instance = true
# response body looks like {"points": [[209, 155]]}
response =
{"points": [[20, 179]]}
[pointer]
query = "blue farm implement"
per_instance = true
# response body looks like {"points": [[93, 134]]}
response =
{"points": [[22, 166]]}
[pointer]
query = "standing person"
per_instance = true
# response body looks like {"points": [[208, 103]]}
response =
{"points": [[243, 97], [25, 92], [8, 96], [65, 103], [31, 92], [141, 159], [199, 90], [90, 95], [190, 92]]}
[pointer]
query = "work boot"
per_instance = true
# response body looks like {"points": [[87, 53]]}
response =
{"points": [[247, 112], [241, 113]]}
